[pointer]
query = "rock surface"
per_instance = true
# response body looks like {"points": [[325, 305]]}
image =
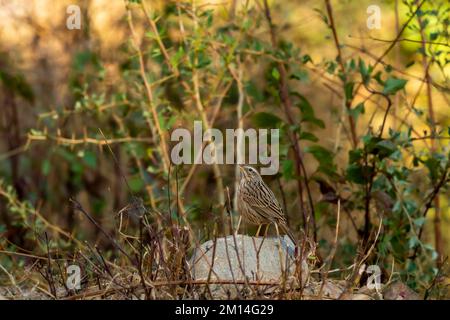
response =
{"points": [[399, 291], [244, 258]]}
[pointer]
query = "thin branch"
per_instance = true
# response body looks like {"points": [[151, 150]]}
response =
{"points": [[308, 216], [156, 123], [347, 102]]}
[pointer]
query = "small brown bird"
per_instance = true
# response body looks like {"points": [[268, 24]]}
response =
{"points": [[257, 203]]}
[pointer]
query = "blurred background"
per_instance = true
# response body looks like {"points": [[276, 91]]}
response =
{"points": [[137, 70]]}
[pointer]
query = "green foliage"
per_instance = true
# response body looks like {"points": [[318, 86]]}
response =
{"points": [[18, 84], [202, 63], [324, 157], [307, 111], [266, 120], [392, 85]]}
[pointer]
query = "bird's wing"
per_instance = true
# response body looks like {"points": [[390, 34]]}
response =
{"points": [[265, 204]]}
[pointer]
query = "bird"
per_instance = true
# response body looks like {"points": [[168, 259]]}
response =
{"points": [[257, 204]]}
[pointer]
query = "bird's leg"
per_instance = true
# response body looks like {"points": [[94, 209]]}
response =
{"points": [[267, 229], [259, 229], [238, 226], [276, 228]]}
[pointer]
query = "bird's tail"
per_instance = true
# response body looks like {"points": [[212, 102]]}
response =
{"points": [[291, 236], [286, 230]]}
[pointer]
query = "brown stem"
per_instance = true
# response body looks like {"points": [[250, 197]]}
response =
{"points": [[287, 104], [433, 195], [398, 35], [148, 90], [396, 39], [368, 190], [347, 102]]}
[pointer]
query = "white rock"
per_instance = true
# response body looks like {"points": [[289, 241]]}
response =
{"points": [[243, 258]]}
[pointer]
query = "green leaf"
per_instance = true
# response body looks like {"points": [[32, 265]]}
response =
{"points": [[98, 205], [209, 17], [392, 85], [275, 74], [288, 169], [320, 153], [322, 15], [46, 166], [76, 167], [324, 157], [136, 183], [355, 155], [203, 60], [356, 111], [308, 111], [433, 165], [90, 159], [370, 142], [331, 66], [257, 45], [351, 64], [417, 111], [306, 58], [378, 146], [419, 221], [136, 149], [34, 132], [18, 84], [411, 267], [434, 255], [175, 59], [434, 36], [358, 173], [409, 64], [246, 24], [385, 148], [253, 91], [300, 75], [365, 72], [308, 136], [413, 242], [349, 90], [266, 120], [377, 77]]}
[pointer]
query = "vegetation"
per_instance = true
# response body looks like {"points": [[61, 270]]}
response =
{"points": [[86, 176]]}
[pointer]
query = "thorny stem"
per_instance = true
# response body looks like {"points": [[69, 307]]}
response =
{"points": [[156, 124]]}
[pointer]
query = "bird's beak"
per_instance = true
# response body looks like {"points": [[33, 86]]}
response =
{"points": [[241, 168]]}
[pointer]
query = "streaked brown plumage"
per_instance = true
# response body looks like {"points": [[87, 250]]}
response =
{"points": [[257, 203]]}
